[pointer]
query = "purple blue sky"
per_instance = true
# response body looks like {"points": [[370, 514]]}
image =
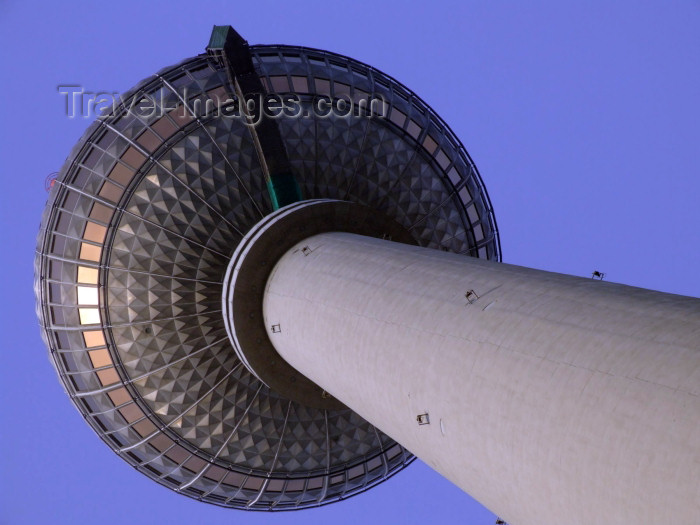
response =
{"points": [[584, 120]]}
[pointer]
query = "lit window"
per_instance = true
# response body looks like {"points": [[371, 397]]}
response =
{"points": [[100, 358], [442, 159], [253, 483], [299, 84], [232, 478], [177, 454], [323, 86], [131, 412], [398, 117], [413, 129], [164, 127], [94, 232], [108, 376], [144, 428], [110, 191], [429, 144], [149, 140], [161, 442], [295, 485], [315, 483], [94, 338], [279, 84], [196, 464], [215, 473], [89, 315], [465, 195], [90, 252], [121, 173], [101, 212], [181, 116], [87, 295], [119, 396], [87, 275], [133, 157], [356, 471], [275, 485]]}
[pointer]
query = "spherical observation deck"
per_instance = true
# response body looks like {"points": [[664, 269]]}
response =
{"points": [[135, 241]]}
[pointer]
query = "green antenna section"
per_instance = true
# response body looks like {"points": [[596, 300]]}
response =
{"points": [[283, 189], [232, 50]]}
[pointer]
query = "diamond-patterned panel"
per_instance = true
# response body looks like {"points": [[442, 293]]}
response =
{"points": [[240, 189], [300, 140], [167, 263], [164, 200], [141, 246], [304, 444], [174, 389], [338, 145]]}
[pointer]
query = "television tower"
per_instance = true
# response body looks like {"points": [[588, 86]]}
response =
{"points": [[271, 275]]}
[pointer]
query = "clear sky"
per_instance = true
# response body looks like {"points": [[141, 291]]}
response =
{"points": [[584, 120]]}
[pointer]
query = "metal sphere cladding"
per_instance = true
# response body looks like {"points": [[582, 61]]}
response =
{"points": [[137, 235]]}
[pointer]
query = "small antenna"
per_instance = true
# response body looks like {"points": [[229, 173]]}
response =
{"points": [[50, 181]]}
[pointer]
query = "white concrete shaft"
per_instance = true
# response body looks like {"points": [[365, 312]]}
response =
{"points": [[551, 399]]}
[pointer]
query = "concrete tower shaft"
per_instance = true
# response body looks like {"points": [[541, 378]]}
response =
{"points": [[549, 398]]}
